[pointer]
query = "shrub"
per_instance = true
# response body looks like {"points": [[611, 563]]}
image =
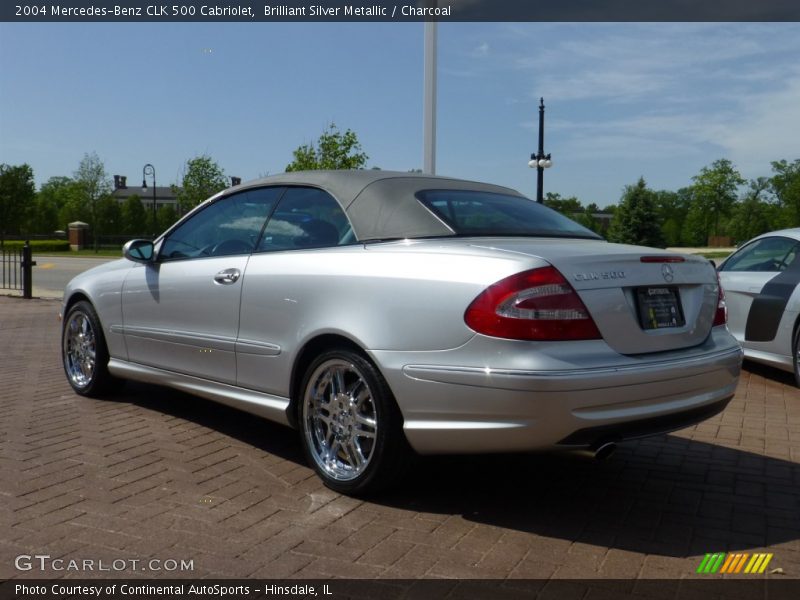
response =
{"points": [[39, 245]]}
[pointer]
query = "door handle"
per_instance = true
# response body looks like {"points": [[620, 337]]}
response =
{"points": [[227, 276]]}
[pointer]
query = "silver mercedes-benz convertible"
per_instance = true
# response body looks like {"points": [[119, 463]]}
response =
{"points": [[380, 313]]}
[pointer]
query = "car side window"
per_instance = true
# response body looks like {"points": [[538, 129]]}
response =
{"points": [[767, 255], [229, 226], [305, 218]]}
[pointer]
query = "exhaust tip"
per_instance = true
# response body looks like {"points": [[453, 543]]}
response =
{"points": [[605, 450]]}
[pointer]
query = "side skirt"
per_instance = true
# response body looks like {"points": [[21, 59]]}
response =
{"points": [[264, 405], [779, 361]]}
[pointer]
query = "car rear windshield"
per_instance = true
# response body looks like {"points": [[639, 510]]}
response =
{"points": [[476, 213]]}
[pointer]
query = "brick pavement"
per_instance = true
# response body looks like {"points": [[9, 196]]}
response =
{"points": [[155, 474]]}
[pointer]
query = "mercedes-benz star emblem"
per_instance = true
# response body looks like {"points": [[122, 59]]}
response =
{"points": [[666, 271]]}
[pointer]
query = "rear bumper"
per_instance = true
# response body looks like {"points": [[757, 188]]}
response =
{"points": [[628, 430], [471, 409]]}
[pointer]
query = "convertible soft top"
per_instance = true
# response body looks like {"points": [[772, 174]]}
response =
{"points": [[381, 204]]}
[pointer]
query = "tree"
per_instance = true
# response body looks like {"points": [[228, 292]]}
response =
{"points": [[94, 184], [74, 207], [714, 191], [334, 150], [109, 217], [673, 207], [16, 197], [134, 216], [43, 215], [785, 184], [48, 206], [165, 218], [752, 215], [566, 206], [636, 218], [595, 218], [588, 220], [202, 178]]}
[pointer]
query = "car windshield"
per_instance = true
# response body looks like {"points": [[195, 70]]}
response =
{"points": [[476, 213]]}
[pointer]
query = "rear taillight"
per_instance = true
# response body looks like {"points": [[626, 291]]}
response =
{"points": [[721, 314], [533, 305]]}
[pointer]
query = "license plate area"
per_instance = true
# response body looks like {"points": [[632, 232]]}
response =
{"points": [[659, 307]]}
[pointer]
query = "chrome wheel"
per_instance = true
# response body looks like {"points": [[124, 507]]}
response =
{"points": [[80, 349], [796, 356], [340, 419]]}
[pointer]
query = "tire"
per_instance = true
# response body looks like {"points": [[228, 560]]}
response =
{"points": [[84, 352], [351, 428]]}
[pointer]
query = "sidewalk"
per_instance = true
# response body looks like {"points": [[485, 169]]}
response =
{"points": [[156, 474]]}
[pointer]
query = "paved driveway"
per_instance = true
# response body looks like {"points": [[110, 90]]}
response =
{"points": [[155, 474]]}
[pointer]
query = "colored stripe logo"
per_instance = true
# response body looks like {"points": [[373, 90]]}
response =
{"points": [[720, 562]]}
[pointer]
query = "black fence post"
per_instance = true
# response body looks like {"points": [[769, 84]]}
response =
{"points": [[27, 271]]}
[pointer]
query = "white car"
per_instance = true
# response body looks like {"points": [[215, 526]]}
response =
{"points": [[761, 288]]}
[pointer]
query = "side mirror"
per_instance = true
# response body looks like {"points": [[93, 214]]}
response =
{"points": [[141, 251], [713, 263]]}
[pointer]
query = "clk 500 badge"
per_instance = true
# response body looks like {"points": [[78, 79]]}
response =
{"points": [[598, 276]]}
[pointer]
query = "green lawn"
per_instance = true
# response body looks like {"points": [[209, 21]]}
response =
{"points": [[84, 253], [713, 254]]}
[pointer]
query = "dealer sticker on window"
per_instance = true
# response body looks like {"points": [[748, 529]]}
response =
{"points": [[659, 307]]}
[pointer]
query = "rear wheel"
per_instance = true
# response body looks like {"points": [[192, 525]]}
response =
{"points": [[350, 424], [84, 352]]}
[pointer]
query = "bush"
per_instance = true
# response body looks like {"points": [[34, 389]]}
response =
{"points": [[39, 245]]}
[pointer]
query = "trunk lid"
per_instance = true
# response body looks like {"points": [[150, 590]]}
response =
{"points": [[642, 299]]}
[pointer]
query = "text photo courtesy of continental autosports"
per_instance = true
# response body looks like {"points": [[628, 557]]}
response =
{"points": [[445, 299]]}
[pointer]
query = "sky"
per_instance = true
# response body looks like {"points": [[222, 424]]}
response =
{"points": [[624, 101]]}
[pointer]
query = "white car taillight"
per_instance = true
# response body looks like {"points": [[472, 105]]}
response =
{"points": [[533, 305], [721, 314]]}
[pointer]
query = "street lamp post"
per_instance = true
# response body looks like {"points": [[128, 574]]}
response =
{"points": [[429, 98], [149, 169], [540, 161]]}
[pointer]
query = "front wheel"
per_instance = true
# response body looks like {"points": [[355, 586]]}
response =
{"points": [[350, 424], [84, 352]]}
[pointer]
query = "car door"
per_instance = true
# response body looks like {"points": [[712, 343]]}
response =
{"points": [[754, 288], [282, 289], [181, 312]]}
